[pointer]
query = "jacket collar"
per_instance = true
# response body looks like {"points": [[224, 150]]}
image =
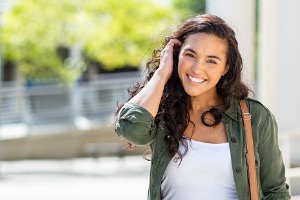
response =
{"points": [[233, 110]]}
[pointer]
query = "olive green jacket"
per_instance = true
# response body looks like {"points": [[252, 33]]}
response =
{"points": [[136, 125]]}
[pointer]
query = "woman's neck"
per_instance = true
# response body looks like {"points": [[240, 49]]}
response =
{"points": [[204, 103]]}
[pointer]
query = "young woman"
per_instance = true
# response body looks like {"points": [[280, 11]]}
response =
{"points": [[187, 111]]}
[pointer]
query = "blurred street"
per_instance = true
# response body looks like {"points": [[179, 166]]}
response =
{"points": [[108, 178], [75, 179]]}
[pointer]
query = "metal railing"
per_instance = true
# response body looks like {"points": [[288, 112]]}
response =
{"points": [[84, 104]]}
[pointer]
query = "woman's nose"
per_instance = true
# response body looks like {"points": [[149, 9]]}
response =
{"points": [[198, 67]]}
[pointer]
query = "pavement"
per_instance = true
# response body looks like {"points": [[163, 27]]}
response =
{"points": [[108, 178], [75, 179]]}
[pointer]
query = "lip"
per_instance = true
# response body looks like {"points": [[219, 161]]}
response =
{"points": [[195, 79]]}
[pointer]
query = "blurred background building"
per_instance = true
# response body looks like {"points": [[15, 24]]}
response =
{"points": [[64, 65]]}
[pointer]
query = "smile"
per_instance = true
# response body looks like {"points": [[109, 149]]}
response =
{"points": [[196, 80]]}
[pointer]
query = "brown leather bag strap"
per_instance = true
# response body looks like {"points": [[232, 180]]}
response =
{"points": [[250, 148]]}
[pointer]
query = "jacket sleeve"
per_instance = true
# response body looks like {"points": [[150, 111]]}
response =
{"points": [[272, 170], [135, 124]]}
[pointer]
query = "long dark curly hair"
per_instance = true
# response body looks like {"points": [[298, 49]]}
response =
{"points": [[173, 113]]}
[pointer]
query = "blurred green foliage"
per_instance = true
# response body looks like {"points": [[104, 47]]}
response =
{"points": [[115, 33], [190, 7]]}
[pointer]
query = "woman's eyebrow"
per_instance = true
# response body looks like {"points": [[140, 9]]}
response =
{"points": [[209, 56], [212, 56], [193, 51]]}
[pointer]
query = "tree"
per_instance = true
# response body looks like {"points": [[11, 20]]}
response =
{"points": [[188, 7], [114, 33], [124, 30], [31, 32]]}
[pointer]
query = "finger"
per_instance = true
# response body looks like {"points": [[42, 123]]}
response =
{"points": [[174, 42], [170, 46], [162, 53]]}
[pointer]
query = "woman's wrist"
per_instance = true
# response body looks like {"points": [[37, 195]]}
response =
{"points": [[162, 75]]}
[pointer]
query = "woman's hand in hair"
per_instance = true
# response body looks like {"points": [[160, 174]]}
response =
{"points": [[167, 59]]}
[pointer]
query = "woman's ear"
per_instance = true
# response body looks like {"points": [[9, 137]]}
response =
{"points": [[225, 70]]}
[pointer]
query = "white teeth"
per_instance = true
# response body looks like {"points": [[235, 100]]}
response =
{"points": [[196, 80]]}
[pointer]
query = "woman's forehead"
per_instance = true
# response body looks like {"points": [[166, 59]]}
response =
{"points": [[205, 42]]}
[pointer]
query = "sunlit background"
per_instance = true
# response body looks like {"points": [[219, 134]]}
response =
{"points": [[65, 64]]}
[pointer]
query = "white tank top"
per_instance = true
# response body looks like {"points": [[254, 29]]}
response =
{"points": [[205, 172]]}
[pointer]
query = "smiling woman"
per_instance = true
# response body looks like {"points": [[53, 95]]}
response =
{"points": [[187, 111], [202, 62]]}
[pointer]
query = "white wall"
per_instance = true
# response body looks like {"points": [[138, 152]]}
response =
{"points": [[279, 66]]}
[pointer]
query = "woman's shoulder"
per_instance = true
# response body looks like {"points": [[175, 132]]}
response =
{"points": [[262, 119], [257, 107]]}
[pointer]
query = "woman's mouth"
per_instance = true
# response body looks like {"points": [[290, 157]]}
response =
{"points": [[196, 80]]}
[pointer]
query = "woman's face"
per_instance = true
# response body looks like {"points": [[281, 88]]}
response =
{"points": [[202, 62]]}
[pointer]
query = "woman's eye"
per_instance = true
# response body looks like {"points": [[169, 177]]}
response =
{"points": [[212, 61], [189, 55]]}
